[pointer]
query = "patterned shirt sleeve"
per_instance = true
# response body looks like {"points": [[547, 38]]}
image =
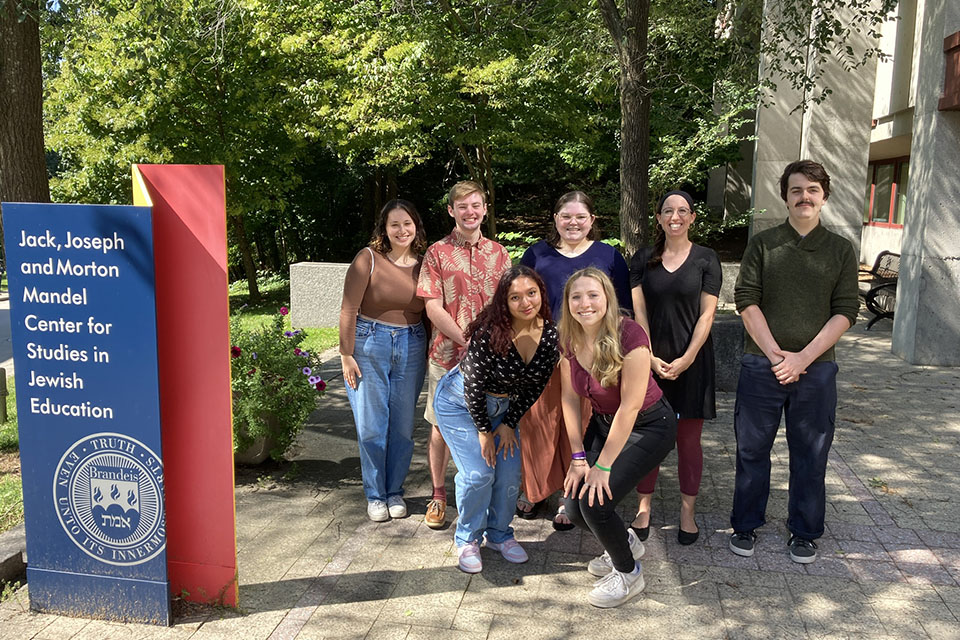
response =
{"points": [[476, 366], [429, 284], [538, 374]]}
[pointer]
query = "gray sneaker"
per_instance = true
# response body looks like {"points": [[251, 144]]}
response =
{"points": [[602, 565], [741, 543], [615, 588], [802, 550]]}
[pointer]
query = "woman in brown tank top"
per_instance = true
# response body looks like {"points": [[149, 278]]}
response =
{"points": [[383, 353]]}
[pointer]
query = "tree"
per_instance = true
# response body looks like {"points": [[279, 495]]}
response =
{"points": [[23, 168]]}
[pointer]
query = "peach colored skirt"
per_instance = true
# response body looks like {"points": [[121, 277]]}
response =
{"points": [[544, 444]]}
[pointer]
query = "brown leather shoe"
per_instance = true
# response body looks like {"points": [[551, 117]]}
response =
{"points": [[436, 515]]}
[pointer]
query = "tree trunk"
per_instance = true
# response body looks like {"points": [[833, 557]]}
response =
{"points": [[23, 166], [629, 33], [246, 256]]}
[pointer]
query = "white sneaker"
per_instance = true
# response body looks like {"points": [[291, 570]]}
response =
{"points": [[603, 565], [377, 511], [615, 588], [397, 507]]}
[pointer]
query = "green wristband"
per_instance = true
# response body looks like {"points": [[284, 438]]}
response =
{"points": [[602, 468]]}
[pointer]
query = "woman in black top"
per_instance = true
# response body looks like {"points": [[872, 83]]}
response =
{"points": [[512, 353], [676, 284]]}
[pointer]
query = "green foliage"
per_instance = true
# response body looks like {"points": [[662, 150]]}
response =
{"points": [[9, 435], [515, 243], [11, 501], [275, 383]]}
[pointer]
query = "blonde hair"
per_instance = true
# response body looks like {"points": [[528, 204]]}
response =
{"points": [[463, 189], [607, 352]]}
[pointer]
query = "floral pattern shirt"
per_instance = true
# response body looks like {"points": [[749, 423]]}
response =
{"points": [[464, 276], [485, 371]]}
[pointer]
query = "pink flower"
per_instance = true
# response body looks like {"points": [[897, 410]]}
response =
{"points": [[284, 311], [297, 351], [321, 385], [235, 352]]}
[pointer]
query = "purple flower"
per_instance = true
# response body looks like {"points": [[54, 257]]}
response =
{"points": [[307, 371], [289, 334], [305, 354], [254, 355], [314, 379]]}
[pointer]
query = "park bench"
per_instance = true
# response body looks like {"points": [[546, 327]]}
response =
{"points": [[879, 290]]}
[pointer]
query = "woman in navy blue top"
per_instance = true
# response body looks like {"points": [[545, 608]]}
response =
{"points": [[571, 245]]}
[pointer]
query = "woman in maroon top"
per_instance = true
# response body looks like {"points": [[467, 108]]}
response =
{"points": [[633, 428]]}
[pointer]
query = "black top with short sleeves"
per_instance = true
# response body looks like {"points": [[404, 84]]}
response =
{"points": [[485, 371]]}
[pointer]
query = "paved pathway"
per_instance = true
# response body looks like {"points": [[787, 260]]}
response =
{"points": [[313, 566]]}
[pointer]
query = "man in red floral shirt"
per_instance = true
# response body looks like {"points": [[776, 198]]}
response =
{"points": [[458, 277]]}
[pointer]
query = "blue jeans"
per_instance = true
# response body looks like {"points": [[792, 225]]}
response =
{"points": [[486, 498], [392, 362], [810, 406]]}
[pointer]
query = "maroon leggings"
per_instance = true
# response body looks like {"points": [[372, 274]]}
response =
{"points": [[689, 459]]}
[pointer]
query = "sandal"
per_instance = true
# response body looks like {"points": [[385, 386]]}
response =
{"points": [[562, 513], [531, 513]]}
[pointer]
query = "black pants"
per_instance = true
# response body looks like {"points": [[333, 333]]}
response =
{"points": [[654, 435]]}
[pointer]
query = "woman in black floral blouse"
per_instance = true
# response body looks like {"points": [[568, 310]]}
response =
{"points": [[512, 353]]}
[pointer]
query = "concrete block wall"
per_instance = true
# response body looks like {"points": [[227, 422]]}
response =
{"points": [[316, 290]]}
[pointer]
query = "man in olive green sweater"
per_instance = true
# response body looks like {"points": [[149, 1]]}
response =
{"points": [[797, 294]]}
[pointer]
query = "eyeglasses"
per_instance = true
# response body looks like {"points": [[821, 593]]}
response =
{"points": [[683, 213], [581, 218]]}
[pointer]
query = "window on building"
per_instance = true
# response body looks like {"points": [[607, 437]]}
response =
{"points": [[886, 193]]}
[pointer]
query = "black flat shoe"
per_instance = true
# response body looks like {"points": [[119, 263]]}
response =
{"points": [[685, 537], [534, 510], [642, 532]]}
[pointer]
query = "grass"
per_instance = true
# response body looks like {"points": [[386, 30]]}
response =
{"points": [[275, 293], [11, 491]]}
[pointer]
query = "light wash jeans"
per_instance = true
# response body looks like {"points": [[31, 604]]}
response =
{"points": [[486, 498], [392, 362]]}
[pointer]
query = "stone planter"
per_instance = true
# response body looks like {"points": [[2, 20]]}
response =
{"points": [[256, 453]]}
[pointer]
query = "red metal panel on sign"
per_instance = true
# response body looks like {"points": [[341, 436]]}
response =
{"points": [[189, 205]]}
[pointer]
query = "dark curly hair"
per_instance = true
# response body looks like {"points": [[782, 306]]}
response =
{"points": [[379, 241], [495, 318], [813, 171]]}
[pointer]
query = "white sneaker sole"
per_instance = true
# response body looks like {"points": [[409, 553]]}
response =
{"points": [[605, 603], [598, 569], [397, 512], [801, 559]]}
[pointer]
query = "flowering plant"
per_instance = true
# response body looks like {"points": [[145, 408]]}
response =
{"points": [[275, 384]]}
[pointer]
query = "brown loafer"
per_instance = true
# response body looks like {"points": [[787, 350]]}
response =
{"points": [[436, 515]]}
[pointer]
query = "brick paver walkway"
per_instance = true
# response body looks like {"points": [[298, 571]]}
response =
{"points": [[313, 566]]}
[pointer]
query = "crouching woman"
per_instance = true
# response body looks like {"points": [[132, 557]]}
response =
{"points": [[513, 349], [633, 428]]}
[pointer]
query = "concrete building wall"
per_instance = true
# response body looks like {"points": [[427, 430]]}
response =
{"points": [[877, 239], [926, 327], [835, 133]]}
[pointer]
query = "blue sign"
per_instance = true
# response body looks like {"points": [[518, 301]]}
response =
{"points": [[83, 322]]}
